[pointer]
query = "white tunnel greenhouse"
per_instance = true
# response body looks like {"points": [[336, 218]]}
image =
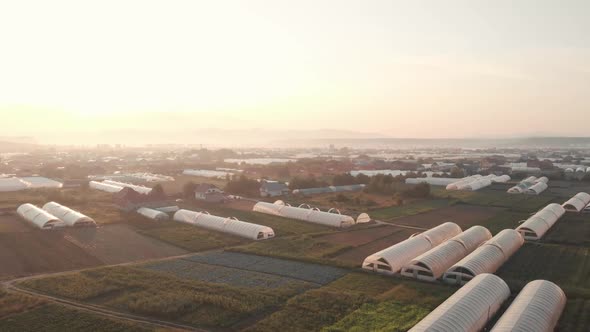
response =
{"points": [[536, 188], [485, 259], [227, 225], [153, 214], [460, 182], [68, 216], [577, 203], [392, 259], [279, 208], [139, 189], [469, 309], [38, 217], [104, 187], [536, 226], [537, 308], [434, 263]]}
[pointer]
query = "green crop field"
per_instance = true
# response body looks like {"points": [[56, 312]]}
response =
{"points": [[11, 304], [573, 229], [303, 247], [357, 302], [162, 295], [58, 318], [523, 203], [409, 209], [191, 238]]}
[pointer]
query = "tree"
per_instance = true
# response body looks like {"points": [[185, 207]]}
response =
{"points": [[188, 189], [344, 180]]}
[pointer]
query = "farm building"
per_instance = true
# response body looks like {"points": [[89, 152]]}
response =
{"points": [[130, 200], [577, 203], [469, 309], [227, 225], [206, 173], [38, 217], [279, 208], [140, 189], [153, 214], [273, 189], [104, 187], [536, 188], [536, 226], [431, 181], [485, 259], [392, 259], [209, 193], [434, 263], [330, 189], [68, 216], [537, 308]]}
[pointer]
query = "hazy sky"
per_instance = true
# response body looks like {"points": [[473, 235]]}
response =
{"points": [[399, 68]]}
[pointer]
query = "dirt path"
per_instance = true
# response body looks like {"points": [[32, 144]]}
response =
{"points": [[11, 286]]}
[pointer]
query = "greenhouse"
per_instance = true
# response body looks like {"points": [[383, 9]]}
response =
{"points": [[38, 217], [68, 216], [231, 226], [313, 215]]}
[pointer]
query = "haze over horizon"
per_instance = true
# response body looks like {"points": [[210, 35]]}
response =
{"points": [[73, 71]]}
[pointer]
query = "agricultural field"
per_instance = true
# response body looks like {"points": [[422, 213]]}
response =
{"points": [[39, 251], [417, 207], [364, 242], [163, 296], [11, 304], [495, 198], [567, 266], [357, 302], [463, 215], [94, 203], [12, 223], [572, 229], [355, 202], [242, 270], [189, 237], [114, 244], [52, 317], [306, 248]]}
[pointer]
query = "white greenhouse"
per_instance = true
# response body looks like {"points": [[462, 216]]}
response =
{"points": [[38, 217], [391, 260], [537, 308], [485, 259], [68, 216], [227, 225], [434, 263], [279, 208], [469, 309], [577, 203], [153, 214], [501, 179], [109, 188], [536, 226], [536, 188], [140, 189]]}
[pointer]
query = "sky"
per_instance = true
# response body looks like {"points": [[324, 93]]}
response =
{"points": [[393, 68]]}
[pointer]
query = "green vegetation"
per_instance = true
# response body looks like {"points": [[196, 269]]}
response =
{"points": [[59, 318], [346, 303], [410, 209], [572, 229], [302, 247], [495, 198], [384, 316], [304, 183], [568, 266], [503, 220], [243, 186], [162, 295], [192, 238], [576, 316], [15, 303]]}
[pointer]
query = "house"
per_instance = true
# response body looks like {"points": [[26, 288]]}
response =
{"points": [[209, 193], [273, 188]]}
